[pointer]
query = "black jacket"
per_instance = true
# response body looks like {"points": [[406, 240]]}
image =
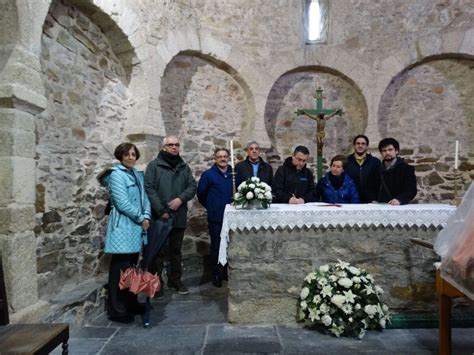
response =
{"points": [[288, 182], [366, 177], [397, 182], [265, 172]]}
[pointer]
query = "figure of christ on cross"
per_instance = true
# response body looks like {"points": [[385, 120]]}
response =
{"points": [[321, 116]]}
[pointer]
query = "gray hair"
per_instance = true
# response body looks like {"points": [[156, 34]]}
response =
{"points": [[252, 142], [165, 140]]}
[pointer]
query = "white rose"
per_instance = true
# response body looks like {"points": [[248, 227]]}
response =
{"points": [[324, 268], [304, 293], [357, 306], [385, 308], [338, 300], [324, 308], [379, 290], [237, 196], [268, 195], [303, 305], [255, 179], [354, 270], [345, 282], [327, 320], [382, 322], [356, 279], [260, 196], [251, 186], [241, 186], [370, 310], [249, 195]]}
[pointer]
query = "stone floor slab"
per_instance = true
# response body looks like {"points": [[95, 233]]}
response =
{"points": [[94, 332], [188, 312], [157, 340], [228, 339]]}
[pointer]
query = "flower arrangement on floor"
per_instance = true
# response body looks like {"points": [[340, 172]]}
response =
{"points": [[343, 299], [253, 193]]}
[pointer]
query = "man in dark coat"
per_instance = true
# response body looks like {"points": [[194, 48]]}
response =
{"points": [[397, 178], [294, 182], [254, 165], [169, 184], [214, 193], [364, 170]]}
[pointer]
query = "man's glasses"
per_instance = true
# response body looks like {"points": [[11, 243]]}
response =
{"points": [[170, 145]]}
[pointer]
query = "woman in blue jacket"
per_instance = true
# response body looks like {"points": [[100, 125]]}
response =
{"points": [[336, 186], [128, 220]]}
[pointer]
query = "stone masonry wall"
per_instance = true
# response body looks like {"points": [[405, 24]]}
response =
{"points": [[87, 98], [266, 289]]}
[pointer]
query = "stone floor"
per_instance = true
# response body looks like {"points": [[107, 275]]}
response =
{"points": [[196, 324]]}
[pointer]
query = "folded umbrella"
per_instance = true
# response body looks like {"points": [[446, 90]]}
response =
{"points": [[157, 237]]}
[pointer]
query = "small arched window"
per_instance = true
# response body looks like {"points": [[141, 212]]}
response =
{"points": [[316, 21]]}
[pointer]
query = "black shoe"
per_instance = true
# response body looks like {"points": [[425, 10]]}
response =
{"points": [[126, 318], [216, 281], [179, 286]]}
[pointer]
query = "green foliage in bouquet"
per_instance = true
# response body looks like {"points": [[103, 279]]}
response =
{"points": [[253, 191], [342, 299]]}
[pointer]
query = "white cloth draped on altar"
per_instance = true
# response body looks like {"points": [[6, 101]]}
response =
{"points": [[313, 215]]}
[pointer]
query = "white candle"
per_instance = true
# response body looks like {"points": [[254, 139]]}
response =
{"points": [[456, 153], [232, 153]]}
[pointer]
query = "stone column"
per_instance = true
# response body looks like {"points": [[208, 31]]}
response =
{"points": [[19, 103]]}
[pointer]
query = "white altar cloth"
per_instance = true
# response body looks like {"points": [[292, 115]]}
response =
{"points": [[320, 214]]}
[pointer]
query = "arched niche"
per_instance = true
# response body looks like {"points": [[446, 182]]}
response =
{"points": [[295, 90], [86, 63], [206, 103], [427, 107]]}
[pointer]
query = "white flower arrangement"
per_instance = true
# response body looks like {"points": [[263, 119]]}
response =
{"points": [[253, 191], [342, 299]]}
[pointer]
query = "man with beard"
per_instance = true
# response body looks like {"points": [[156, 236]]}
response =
{"points": [[364, 170], [294, 182], [169, 185], [397, 178], [254, 165], [214, 193]]}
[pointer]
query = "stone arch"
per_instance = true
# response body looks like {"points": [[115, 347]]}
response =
{"points": [[87, 63], [439, 90], [8, 31], [187, 66], [295, 89]]}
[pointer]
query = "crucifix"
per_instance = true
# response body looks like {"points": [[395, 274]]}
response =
{"points": [[321, 116]]}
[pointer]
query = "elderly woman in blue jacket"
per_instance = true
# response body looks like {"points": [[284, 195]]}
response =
{"points": [[336, 186], [128, 221]]}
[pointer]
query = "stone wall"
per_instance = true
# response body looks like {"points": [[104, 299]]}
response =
{"points": [[86, 88], [267, 268]]}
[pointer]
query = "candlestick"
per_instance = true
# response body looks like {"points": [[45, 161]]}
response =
{"points": [[232, 154], [456, 153]]}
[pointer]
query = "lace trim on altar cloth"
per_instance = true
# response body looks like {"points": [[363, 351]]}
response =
{"points": [[314, 215]]}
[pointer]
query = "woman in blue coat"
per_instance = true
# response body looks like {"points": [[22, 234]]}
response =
{"points": [[336, 186], [128, 221]]}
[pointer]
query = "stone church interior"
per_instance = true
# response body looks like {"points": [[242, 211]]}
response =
{"points": [[78, 77]]}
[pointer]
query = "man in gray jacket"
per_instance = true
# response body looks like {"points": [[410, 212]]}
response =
{"points": [[169, 185]]}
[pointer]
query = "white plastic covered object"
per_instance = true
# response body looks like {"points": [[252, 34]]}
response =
{"points": [[455, 245]]}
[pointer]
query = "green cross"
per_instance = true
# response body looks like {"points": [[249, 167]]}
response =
{"points": [[321, 116]]}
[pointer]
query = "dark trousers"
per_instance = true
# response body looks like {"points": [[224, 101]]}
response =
{"points": [[120, 302], [171, 250], [215, 235]]}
